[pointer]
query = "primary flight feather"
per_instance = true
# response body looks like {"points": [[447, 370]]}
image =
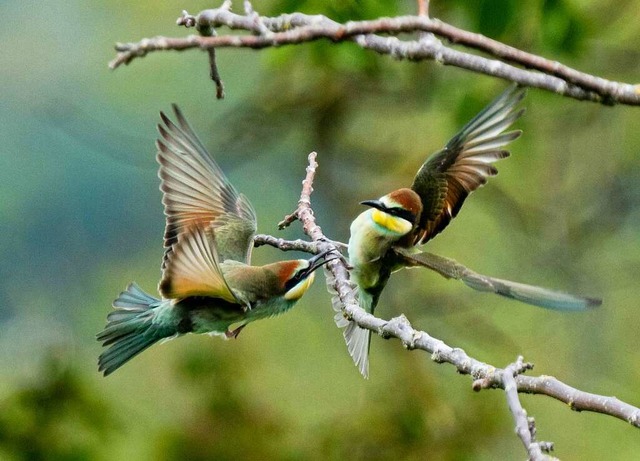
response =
{"points": [[208, 283]]}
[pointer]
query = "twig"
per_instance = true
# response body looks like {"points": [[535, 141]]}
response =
{"points": [[215, 74], [304, 204], [423, 7], [206, 30], [285, 245], [298, 28], [525, 427]]}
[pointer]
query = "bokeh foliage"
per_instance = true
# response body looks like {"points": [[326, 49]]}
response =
{"points": [[81, 217]]}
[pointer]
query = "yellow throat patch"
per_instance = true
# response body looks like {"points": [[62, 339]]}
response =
{"points": [[300, 289], [391, 223]]}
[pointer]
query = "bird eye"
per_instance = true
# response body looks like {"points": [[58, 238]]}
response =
{"points": [[293, 281], [402, 213]]}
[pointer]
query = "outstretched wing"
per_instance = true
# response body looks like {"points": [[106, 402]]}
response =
{"points": [[196, 192], [192, 268], [448, 176], [529, 294]]}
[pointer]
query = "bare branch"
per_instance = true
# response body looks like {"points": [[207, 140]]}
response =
{"points": [[298, 28], [285, 245], [214, 74], [525, 427]]}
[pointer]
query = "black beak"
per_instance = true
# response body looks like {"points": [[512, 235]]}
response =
{"points": [[320, 259], [375, 204]]}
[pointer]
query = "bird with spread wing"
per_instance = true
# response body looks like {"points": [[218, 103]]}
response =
{"points": [[208, 283], [384, 237]]}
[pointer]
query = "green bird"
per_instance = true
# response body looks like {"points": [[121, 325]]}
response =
{"points": [[208, 283], [383, 238]]}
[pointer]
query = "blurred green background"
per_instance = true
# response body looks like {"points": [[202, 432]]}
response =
{"points": [[81, 218]]}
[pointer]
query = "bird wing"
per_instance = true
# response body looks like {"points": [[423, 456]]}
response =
{"points": [[192, 268], [529, 294], [196, 191], [448, 176]]}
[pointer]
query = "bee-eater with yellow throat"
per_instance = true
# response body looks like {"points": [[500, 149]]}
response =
{"points": [[208, 283], [383, 238]]}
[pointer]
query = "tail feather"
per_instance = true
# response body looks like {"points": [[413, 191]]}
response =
{"points": [[357, 339], [122, 352], [536, 296], [529, 294], [134, 298], [358, 342], [130, 328]]}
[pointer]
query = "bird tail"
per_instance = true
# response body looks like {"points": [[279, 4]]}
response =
{"points": [[357, 339], [358, 343], [130, 328], [529, 294]]}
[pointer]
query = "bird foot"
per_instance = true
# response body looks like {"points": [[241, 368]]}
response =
{"points": [[234, 333], [339, 247], [335, 243]]}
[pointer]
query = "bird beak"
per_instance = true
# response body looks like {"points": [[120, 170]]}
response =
{"points": [[320, 259], [375, 204]]}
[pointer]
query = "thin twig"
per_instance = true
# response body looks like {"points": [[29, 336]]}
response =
{"points": [[423, 8], [298, 28], [525, 427], [215, 74], [287, 221], [207, 30], [285, 245]]}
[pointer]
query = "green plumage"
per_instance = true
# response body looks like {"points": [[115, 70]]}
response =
{"points": [[130, 328], [207, 282]]}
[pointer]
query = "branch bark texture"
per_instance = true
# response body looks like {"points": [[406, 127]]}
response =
{"points": [[381, 36]]}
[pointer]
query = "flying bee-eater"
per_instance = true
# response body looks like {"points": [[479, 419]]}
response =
{"points": [[208, 283], [383, 238]]}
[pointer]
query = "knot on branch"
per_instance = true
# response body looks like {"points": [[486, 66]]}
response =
{"points": [[634, 419], [437, 356], [400, 327], [207, 20], [187, 20], [546, 447], [519, 366], [488, 381]]}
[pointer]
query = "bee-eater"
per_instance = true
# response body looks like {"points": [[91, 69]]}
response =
{"points": [[383, 238], [207, 282]]}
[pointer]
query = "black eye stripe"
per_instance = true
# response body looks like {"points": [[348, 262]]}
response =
{"points": [[293, 281], [402, 213]]}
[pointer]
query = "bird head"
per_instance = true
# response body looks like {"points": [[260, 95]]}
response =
{"points": [[298, 275], [398, 211]]}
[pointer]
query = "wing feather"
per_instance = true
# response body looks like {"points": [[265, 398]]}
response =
{"points": [[197, 192], [192, 268], [448, 176]]}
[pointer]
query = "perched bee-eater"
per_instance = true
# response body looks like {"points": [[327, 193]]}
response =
{"points": [[384, 236], [207, 282]]}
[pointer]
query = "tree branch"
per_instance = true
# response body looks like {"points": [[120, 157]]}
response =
{"points": [[285, 245], [297, 28], [525, 427], [485, 376]]}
